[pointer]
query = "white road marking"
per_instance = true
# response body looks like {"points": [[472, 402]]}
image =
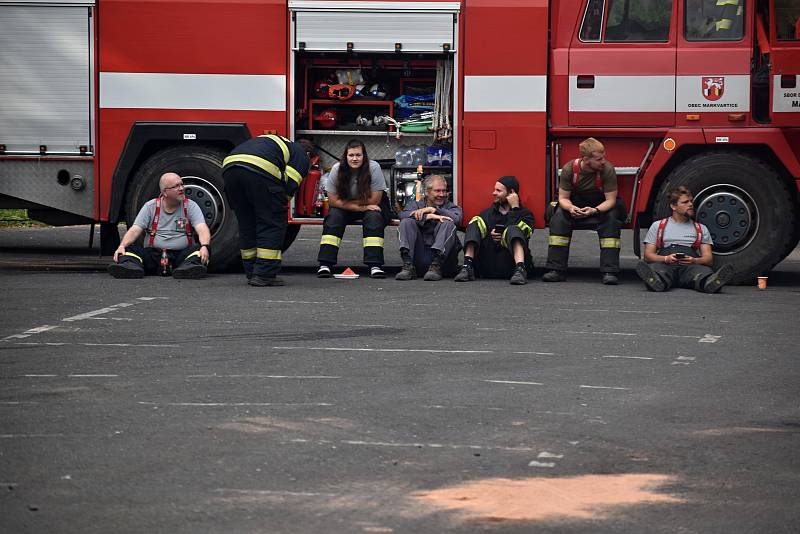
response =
{"points": [[38, 376], [603, 387], [545, 454], [536, 353], [92, 376], [15, 403], [688, 358], [294, 302], [414, 445], [628, 357], [681, 336], [15, 436], [38, 329], [298, 377], [283, 493], [534, 463], [110, 319], [51, 344], [353, 349], [514, 382], [152, 298], [708, 338], [202, 404], [600, 333]]}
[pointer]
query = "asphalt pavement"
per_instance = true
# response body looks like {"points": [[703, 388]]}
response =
{"points": [[342, 406]]}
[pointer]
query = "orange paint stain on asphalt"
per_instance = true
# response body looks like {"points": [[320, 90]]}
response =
{"points": [[546, 499]]}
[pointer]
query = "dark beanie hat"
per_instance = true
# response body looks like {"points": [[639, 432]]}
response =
{"points": [[510, 182]]}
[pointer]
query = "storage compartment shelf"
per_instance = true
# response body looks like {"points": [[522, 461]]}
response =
{"points": [[359, 133]]}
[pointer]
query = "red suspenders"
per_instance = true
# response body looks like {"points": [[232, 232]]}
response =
{"points": [[660, 234], [157, 216], [576, 170]]}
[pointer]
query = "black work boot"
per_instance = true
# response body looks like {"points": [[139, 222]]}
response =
{"points": [[126, 269], [520, 276], [466, 274], [259, 281], [554, 276], [719, 278], [650, 278], [408, 272], [434, 273], [189, 271], [610, 279]]}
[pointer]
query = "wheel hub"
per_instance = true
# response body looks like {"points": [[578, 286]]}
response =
{"points": [[209, 198], [730, 215]]}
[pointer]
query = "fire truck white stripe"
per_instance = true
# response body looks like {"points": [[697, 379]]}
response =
{"points": [[505, 93], [624, 94], [193, 91]]}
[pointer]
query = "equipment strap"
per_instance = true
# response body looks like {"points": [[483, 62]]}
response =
{"points": [[157, 216], [576, 170], [663, 224]]}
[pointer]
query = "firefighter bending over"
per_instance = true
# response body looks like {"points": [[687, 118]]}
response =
{"points": [[677, 251], [496, 241], [587, 196], [428, 240], [170, 246], [261, 175], [356, 191]]}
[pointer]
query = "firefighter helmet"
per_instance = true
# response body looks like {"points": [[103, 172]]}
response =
{"points": [[341, 91], [326, 118]]}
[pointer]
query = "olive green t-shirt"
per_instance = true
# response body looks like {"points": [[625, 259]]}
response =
{"points": [[586, 179]]}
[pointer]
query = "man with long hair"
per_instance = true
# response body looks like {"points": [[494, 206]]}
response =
{"points": [[355, 188]]}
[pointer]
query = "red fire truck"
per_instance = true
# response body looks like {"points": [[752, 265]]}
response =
{"points": [[102, 96]]}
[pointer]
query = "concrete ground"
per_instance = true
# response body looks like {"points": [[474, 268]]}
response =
{"points": [[367, 405]]}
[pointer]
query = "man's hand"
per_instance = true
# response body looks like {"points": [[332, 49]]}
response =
{"points": [[434, 217], [672, 259], [513, 199], [495, 236], [420, 213], [371, 207], [204, 256], [119, 252], [576, 212]]}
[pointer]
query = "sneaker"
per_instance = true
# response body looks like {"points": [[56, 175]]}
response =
{"points": [[376, 272], [610, 279], [466, 274], [324, 272], [650, 277], [408, 272], [126, 269], [722, 276], [189, 271], [520, 276], [259, 281], [434, 273], [553, 276]]}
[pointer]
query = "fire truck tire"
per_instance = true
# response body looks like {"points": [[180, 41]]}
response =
{"points": [[201, 169], [744, 203], [291, 234]]}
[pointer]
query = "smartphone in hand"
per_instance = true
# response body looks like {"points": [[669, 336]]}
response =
{"points": [[680, 255], [499, 228]]}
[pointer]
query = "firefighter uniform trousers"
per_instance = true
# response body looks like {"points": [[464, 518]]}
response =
{"points": [[261, 208], [424, 242], [685, 276], [372, 223], [608, 230], [497, 260], [149, 258]]}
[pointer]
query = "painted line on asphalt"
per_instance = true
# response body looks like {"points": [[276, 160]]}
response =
{"points": [[52, 344], [30, 332], [206, 404], [298, 377], [354, 349], [412, 445], [535, 353], [294, 302], [514, 382], [282, 493], [69, 376], [18, 436], [600, 333], [603, 387], [627, 357], [16, 403]]}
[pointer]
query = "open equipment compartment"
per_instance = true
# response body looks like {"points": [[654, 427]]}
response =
{"points": [[384, 76]]}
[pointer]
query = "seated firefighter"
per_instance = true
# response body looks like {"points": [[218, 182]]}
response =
{"points": [[677, 251], [587, 195], [496, 241], [168, 220], [356, 189], [428, 240]]}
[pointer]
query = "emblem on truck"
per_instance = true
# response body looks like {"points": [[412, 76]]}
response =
{"points": [[713, 87]]}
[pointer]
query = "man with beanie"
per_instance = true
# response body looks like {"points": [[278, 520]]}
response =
{"points": [[587, 195], [496, 240], [428, 241]]}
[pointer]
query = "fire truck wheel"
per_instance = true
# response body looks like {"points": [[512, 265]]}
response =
{"points": [[745, 205], [291, 234], [201, 169]]}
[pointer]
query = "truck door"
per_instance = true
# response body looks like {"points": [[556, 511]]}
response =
{"points": [[785, 58], [622, 64], [715, 46]]}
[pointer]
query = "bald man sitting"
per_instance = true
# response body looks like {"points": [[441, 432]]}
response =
{"points": [[169, 244]]}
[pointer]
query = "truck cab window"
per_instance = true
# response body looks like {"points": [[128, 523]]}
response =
{"points": [[787, 20], [715, 20], [638, 21], [592, 22]]}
